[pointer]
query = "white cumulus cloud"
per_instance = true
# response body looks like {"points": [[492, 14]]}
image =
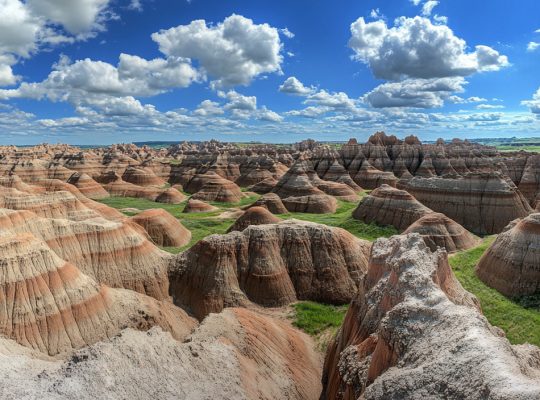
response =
{"points": [[232, 52], [293, 86], [416, 48]]}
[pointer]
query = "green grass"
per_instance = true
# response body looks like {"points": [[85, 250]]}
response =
{"points": [[342, 218], [520, 324], [518, 148], [315, 318], [200, 224]]}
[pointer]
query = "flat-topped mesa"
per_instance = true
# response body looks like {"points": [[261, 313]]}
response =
{"points": [[254, 216], [212, 187], [270, 265], [369, 177], [164, 229], [483, 203], [438, 230], [272, 202], [414, 332], [87, 186], [52, 307], [113, 253], [390, 206], [510, 264]]}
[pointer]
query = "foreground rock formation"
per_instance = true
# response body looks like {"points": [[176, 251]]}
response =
{"points": [[237, 354], [390, 206], [484, 203], [413, 332], [510, 264], [269, 265], [438, 230]]}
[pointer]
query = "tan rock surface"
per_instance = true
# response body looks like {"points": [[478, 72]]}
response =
{"points": [[270, 265], [413, 332], [438, 230], [390, 206], [163, 228], [511, 263]]}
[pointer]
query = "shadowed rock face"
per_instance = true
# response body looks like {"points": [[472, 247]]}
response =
{"points": [[413, 332], [163, 228], [511, 264], [390, 206], [264, 186], [270, 265], [237, 354], [142, 177], [254, 216], [370, 177], [483, 203], [438, 230]]}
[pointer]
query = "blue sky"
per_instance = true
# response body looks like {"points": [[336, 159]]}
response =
{"points": [[103, 71]]}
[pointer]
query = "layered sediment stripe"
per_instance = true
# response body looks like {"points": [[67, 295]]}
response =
{"points": [[390, 206], [113, 253], [512, 263], [46, 303]]}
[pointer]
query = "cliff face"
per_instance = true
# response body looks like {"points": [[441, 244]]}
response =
{"points": [[270, 265], [510, 265], [483, 203], [413, 332]]}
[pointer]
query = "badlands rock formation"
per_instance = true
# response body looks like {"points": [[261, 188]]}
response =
{"points": [[237, 354], [484, 203], [254, 216], [370, 177], [212, 187], [163, 228], [50, 306], [272, 202], [269, 265], [198, 206], [438, 230], [413, 332], [301, 190], [390, 206], [510, 265]]}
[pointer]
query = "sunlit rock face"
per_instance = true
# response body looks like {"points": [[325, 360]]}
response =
{"points": [[484, 203], [413, 331], [270, 265]]}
